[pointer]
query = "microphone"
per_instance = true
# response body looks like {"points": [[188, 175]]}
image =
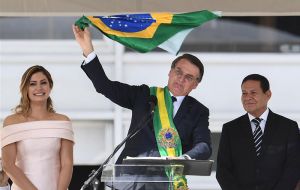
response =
{"points": [[144, 121], [152, 101]]}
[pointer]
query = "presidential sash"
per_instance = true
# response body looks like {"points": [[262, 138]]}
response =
{"points": [[167, 137]]}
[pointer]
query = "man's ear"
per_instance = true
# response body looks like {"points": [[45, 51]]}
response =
{"points": [[169, 73], [196, 85], [269, 94]]}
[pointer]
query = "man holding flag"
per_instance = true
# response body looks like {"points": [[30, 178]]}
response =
{"points": [[179, 127]]}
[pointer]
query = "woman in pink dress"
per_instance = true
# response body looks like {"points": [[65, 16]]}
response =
{"points": [[37, 143]]}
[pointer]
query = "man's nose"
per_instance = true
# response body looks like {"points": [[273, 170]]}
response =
{"points": [[181, 78], [248, 96]]}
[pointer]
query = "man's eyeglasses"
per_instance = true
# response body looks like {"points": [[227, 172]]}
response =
{"points": [[187, 77]]}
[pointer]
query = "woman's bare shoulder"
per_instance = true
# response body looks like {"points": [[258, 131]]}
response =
{"points": [[58, 116], [14, 119]]}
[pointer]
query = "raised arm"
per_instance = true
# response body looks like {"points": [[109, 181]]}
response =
{"points": [[83, 37]]}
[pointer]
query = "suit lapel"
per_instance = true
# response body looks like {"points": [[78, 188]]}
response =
{"points": [[182, 111], [270, 129], [246, 132]]}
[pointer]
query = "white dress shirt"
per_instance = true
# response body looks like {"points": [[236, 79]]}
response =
{"points": [[262, 124], [5, 188], [89, 58], [177, 103]]}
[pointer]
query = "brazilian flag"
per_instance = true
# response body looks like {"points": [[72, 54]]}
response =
{"points": [[144, 32]]}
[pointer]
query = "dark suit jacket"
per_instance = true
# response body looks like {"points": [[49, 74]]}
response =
{"points": [[277, 168], [191, 119]]}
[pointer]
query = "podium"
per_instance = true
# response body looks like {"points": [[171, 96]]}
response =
{"points": [[151, 173]]}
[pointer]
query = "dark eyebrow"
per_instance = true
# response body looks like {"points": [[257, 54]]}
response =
{"points": [[36, 81], [187, 74]]}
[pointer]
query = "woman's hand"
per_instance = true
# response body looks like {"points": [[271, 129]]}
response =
{"points": [[3, 179]]}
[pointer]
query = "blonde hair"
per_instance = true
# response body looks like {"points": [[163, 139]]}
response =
{"points": [[24, 105]]}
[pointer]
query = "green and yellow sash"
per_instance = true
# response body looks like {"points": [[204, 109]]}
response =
{"points": [[167, 137]]}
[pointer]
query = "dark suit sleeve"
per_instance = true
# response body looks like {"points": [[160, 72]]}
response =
{"points": [[224, 173], [201, 137], [291, 173], [120, 93], [201, 151]]}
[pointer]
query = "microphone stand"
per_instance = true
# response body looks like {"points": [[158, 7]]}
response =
{"points": [[95, 173]]}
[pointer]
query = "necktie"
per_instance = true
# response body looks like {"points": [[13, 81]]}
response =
{"points": [[257, 135], [174, 99]]}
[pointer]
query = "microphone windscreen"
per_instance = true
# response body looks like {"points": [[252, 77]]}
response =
{"points": [[153, 100]]}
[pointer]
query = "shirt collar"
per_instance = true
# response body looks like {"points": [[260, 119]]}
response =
{"points": [[179, 99], [263, 116]]}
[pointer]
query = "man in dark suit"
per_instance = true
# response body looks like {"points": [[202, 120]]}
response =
{"points": [[190, 116], [259, 150]]}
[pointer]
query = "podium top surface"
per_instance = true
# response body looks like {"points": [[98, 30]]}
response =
{"points": [[191, 167]]}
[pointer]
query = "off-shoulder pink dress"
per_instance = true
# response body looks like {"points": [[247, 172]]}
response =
{"points": [[38, 149]]}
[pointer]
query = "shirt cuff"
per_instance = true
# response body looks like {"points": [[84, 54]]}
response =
{"points": [[89, 58], [5, 188], [186, 157]]}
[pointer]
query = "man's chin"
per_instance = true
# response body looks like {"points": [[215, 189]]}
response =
{"points": [[248, 109], [178, 92]]}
